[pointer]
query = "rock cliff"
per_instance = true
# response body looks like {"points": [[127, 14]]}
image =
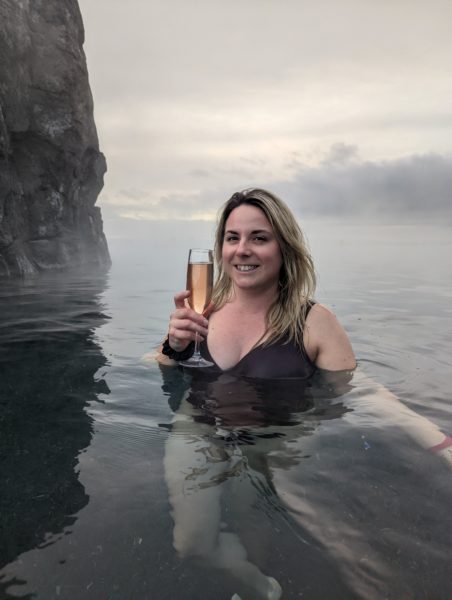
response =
{"points": [[51, 170]]}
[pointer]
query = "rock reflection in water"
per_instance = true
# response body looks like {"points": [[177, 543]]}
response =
{"points": [[226, 436], [48, 360]]}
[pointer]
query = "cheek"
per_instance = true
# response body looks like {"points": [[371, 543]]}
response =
{"points": [[225, 255], [224, 252], [277, 257]]}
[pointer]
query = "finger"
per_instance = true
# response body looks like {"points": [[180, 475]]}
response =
{"points": [[187, 314], [178, 327], [181, 340], [179, 299]]}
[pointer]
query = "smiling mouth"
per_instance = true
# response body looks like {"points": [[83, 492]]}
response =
{"points": [[245, 268]]}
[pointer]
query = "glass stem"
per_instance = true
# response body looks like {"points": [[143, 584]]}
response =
{"points": [[196, 353]]}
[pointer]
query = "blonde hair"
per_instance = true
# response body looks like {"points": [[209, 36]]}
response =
{"points": [[297, 280]]}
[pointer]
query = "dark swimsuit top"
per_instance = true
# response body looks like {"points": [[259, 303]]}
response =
{"points": [[280, 360]]}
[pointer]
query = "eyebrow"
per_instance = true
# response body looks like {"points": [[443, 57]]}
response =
{"points": [[252, 232]]}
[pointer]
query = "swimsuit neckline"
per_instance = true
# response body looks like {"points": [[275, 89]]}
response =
{"points": [[210, 357]]}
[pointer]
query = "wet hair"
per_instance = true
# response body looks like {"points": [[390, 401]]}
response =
{"points": [[297, 280]]}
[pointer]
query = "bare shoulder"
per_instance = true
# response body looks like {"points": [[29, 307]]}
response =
{"points": [[326, 341], [320, 316]]}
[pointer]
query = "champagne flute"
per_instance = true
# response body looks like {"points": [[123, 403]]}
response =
{"points": [[200, 283]]}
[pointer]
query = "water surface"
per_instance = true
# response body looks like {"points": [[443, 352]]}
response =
{"points": [[123, 479]]}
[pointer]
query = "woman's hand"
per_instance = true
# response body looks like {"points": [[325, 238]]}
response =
{"points": [[184, 324]]}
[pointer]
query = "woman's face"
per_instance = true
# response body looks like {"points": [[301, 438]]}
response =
{"points": [[251, 254]]}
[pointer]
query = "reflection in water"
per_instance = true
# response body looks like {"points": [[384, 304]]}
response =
{"points": [[48, 359], [226, 437], [361, 504]]}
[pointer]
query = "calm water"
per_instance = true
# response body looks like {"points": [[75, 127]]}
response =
{"points": [[124, 480]]}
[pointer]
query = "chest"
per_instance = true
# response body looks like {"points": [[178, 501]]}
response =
{"points": [[232, 334]]}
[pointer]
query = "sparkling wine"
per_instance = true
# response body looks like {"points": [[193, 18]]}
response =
{"points": [[199, 282]]}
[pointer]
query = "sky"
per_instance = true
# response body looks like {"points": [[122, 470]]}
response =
{"points": [[342, 107]]}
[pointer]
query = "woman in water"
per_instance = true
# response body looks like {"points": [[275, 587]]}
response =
{"points": [[263, 324], [264, 321]]}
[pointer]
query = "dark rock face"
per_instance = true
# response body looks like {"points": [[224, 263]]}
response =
{"points": [[51, 170]]}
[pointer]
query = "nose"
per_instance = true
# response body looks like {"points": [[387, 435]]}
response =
{"points": [[243, 247]]}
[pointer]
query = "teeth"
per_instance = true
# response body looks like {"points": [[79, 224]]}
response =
{"points": [[245, 267]]}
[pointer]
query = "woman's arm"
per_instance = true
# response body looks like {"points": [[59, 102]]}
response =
{"points": [[326, 342], [329, 348], [379, 403]]}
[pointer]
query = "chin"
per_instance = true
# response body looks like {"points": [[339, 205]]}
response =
{"points": [[249, 285]]}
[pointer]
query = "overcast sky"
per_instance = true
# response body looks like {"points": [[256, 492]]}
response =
{"points": [[337, 105]]}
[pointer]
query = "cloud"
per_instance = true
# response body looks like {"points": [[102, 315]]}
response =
{"points": [[340, 154], [188, 207], [406, 188], [194, 100], [409, 188], [199, 173], [166, 48]]}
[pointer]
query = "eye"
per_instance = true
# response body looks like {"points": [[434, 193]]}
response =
{"points": [[230, 237], [260, 238]]}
